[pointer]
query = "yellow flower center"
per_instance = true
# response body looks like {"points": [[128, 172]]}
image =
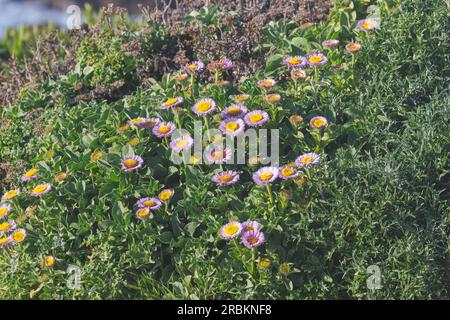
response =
{"points": [[194, 160], [137, 120], [40, 188], [130, 163], [273, 98], [353, 47], [4, 241], [234, 111], [149, 203], [287, 172], [318, 122], [96, 156], [367, 24], [232, 126], [264, 263], [266, 83], [165, 195], [231, 230], [31, 173], [217, 154], [204, 106], [5, 226], [307, 159], [266, 176], [249, 228], [226, 178], [315, 59], [254, 118], [143, 212], [252, 239], [11, 194], [192, 67], [18, 236], [49, 261], [164, 129], [181, 143], [241, 98], [170, 102], [60, 176], [149, 123], [3, 211], [294, 61]]}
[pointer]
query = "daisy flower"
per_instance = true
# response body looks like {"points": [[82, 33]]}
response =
{"points": [[298, 74], [5, 241], [18, 235], [41, 189], [318, 122], [265, 175], [149, 123], [11, 194], [266, 83], [96, 155], [194, 67], [256, 118], [226, 178], [272, 98], [30, 174], [368, 24], [136, 121], [241, 97], [253, 239], [316, 59], [171, 102], [163, 129], [143, 213], [222, 64], [7, 226], [231, 230], [181, 76], [330, 43], [295, 62], [263, 263], [48, 262], [5, 209], [307, 159], [130, 163], [181, 143], [204, 106], [232, 127], [218, 155], [250, 226], [151, 203], [166, 194], [295, 119], [353, 47], [234, 111], [288, 172]]}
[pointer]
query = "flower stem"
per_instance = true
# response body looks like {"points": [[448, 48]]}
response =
{"points": [[269, 192]]}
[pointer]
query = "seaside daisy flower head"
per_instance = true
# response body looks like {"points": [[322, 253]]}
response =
{"points": [[163, 129], [256, 118], [266, 83], [131, 162], [151, 203], [11, 194], [265, 175], [353, 47], [307, 159], [7, 226], [295, 62], [218, 154], [272, 98], [18, 235], [288, 172], [250, 225], [5, 241], [235, 111], [166, 194], [222, 64], [61, 176], [171, 102], [143, 213], [226, 178], [318, 122], [204, 106], [136, 121], [231, 230], [122, 129], [368, 24], [330, 43], [181, 143], [149, 123], [263, 263], [286, 268], [232, 127], [5, 209], [252, 239], [316, 59], [96, 155], [30, 174], [181, 76], [194, 67], [241, 97], [48, 261], [41, 189]]}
